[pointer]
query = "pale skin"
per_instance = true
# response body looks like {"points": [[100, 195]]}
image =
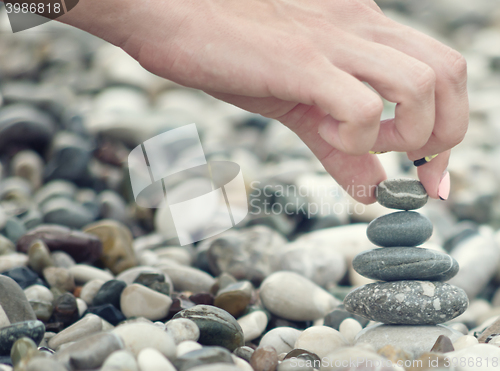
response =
{"points": [[303, 62]]}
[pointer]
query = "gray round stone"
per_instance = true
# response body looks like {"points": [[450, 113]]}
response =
{"points": [[23, 125], [217, 327], [402, 194], [14, 302], [407, 302], [66, 212], [402, 228], [405, 263]]}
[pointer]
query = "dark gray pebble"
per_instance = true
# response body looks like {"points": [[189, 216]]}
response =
{"points": [[405, 263], [110, 293], [401, 194], [25, 126], [66, 212], [66, 309], [69, 157], [402, 228], [108, 312], [24, 276]]}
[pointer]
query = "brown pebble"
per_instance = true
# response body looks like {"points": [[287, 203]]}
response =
{"points": [[77, 291], [83, 247], [443, 345], [202, 298], [179, 302], [117, 251], [264, 359], [394, 354], [235, 298]]}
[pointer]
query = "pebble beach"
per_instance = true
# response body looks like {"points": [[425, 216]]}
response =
{"points": [[309, 280]]}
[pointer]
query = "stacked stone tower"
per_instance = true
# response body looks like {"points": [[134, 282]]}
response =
{"points": [[414, 291]]}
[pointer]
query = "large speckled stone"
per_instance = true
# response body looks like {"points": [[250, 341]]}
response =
{"points": [[402, 194], [405, 263], [407, 302], [402, 228]]}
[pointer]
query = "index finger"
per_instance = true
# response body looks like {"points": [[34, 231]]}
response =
{"points": [[452, 105]]}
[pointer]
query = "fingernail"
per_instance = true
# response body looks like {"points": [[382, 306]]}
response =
{"points": [[377, 153], [444, 186], [423, 160]]}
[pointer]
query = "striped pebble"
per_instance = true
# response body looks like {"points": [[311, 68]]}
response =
{"points": [[401, 194]]}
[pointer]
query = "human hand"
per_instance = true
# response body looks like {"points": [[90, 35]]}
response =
{"points": [[302, 62]]}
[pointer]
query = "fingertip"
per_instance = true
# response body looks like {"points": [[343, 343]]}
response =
{"points": [[431, 174], [366, 200], [358, 175], [444, 186]]}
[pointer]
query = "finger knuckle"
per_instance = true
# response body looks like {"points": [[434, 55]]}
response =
{"points": [[369, 111], [453, 137], [423, 80], [414, 142], [455, 66]]}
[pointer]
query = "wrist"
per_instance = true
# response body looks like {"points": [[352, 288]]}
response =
{"points": [[111, 20]]}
